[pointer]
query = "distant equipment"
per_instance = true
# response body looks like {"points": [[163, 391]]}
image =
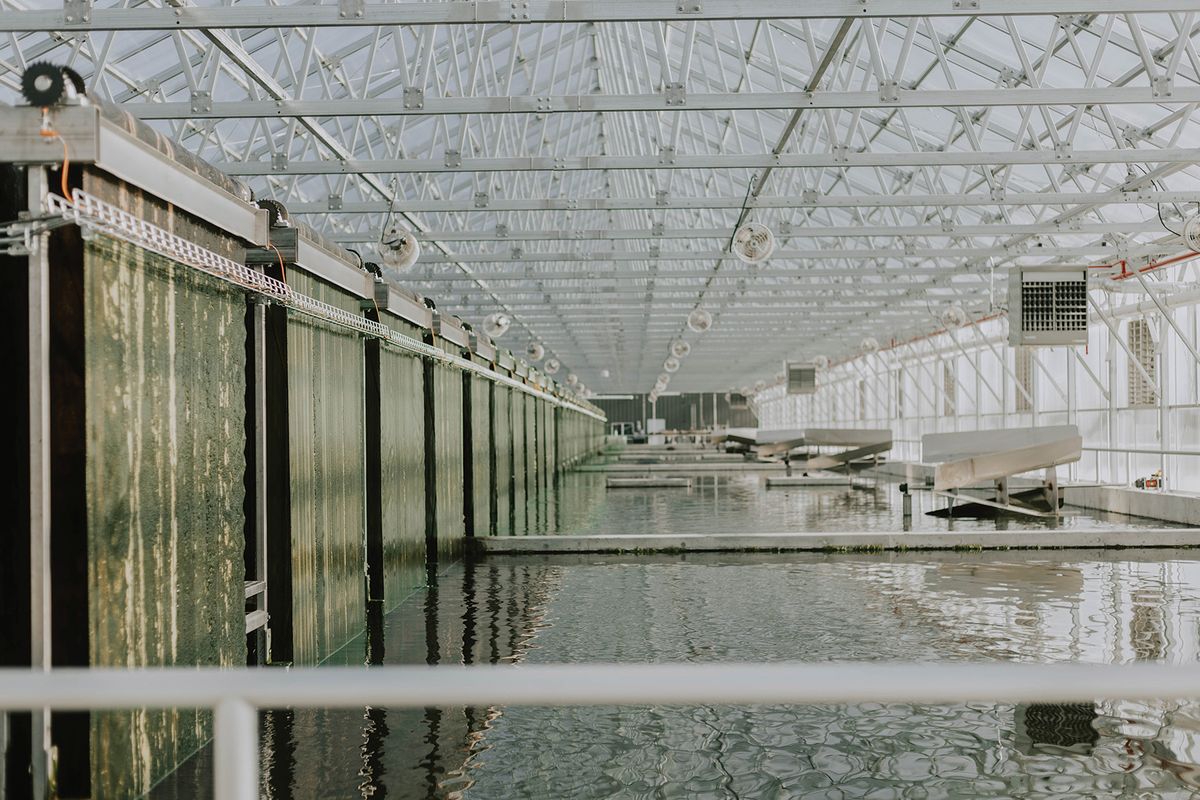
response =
{"points": [[869, 345], [699, 320], [680, 348], [759, 386], [821, 362], [497, 324], [737, 401], [801, 378], [604, 373], [535, 352], [400, 249], [1047, 306], [753, 242]]}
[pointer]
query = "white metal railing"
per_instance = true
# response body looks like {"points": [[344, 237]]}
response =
{"points": [[236, 695]]}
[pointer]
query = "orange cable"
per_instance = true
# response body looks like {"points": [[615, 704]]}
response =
{"points": [[282, 270], [50, 133]]}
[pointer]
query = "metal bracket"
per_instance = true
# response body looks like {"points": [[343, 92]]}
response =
{"points": [[335, 202], [1163, 86], [966, 5], [809, 197], [784, 229], [518, 11], [517, 252], [453, 159], [666, 154], [657, 229], [77, 11], [1062, 151], [998, 194], [841, 153], [414, 97], [675, 94], [351, 9], [201, 103], [482, 200], [279, 162], [661, 198], [655, 251], [889, 91], [544, 104], [689, 7], [501, 230]]}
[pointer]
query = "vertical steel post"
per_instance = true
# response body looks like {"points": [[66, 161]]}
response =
{"points": [[39, 476]]}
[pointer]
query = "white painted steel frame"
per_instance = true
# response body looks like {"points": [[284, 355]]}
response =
{"points": [[1002, 126]]}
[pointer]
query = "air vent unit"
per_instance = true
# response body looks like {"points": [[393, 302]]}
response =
{"points": [[1047, 306], [801, 378]]}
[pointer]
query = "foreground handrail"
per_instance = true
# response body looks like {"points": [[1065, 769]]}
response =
{"points": [[235, 694]]}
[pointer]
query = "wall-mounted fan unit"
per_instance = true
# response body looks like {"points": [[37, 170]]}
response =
{"points": [[497, 324], [551, 366], [699, 320], [399, 249], [572, 379], [535, 352], [671, 364], [955, 317], [680, 348], [801, 378], [1047, 306], [753, 242]]}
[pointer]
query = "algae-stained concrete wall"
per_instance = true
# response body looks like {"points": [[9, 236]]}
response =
{"points": [[481, 429], [448, 454], [520, 450], [502, 434], [165, 388], [402, 472], [326, 418]]}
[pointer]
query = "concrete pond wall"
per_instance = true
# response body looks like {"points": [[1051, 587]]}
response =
{"points": [[380, 463]]}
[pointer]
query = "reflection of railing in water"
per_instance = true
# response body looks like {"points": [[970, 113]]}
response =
{"points": [[237, 694]]}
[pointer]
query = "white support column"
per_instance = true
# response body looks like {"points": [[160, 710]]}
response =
{"points": [[235, 750]]}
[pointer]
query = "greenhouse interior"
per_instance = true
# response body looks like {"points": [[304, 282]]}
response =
{"points": [[597, 398]]}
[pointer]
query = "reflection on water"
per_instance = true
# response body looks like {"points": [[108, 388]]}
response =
{"points": [[1091, 606], [740, 503], [1112, 607]]}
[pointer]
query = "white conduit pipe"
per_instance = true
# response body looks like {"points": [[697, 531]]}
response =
{"points": [[90, 212]]}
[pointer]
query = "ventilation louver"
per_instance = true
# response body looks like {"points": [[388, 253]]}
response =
{"points": [[801, 378], [1048, 306]]}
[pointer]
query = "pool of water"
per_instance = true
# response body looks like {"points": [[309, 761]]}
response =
{"points": [[736, 502], [1089, 606]]}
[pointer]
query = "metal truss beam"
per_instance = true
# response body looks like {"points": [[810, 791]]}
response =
{"points": [[951, 230], [799, 200], [532, 11], [571, 163], [819, 254], [762, 273], [726, 101]]}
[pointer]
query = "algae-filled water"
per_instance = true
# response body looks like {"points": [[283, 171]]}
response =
{"points": [[1090, 606]]}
